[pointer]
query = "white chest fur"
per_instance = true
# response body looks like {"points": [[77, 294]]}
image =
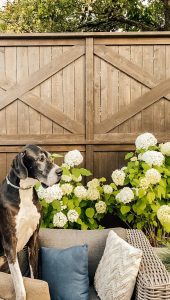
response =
{"points": [[27, 218]]}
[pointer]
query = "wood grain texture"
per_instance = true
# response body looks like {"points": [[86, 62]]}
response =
{"points": [[94, 92]]}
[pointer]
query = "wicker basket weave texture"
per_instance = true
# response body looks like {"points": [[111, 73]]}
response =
{"points": [[153, 281]]}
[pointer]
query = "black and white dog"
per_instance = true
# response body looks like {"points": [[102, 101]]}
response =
{"points": [[20, 211]]}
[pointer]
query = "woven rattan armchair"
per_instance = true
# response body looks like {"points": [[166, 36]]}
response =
{"points": [[153, 280]]}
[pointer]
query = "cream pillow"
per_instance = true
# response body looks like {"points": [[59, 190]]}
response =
{"points": [[117, 270]]}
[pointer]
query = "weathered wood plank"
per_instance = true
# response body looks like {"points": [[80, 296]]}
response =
{"points": [[147, 114], [34, 65], [2, 75], [167, 103], [22, 72], [133, 108], [136, 88], [124, 91], [159, 73], [68, 89], [50, 111], [41, 75], [11, 74], [126, 66], [89, 102], [57, 90]]}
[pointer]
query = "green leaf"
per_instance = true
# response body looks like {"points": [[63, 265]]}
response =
{"points": [[85, 172], [78, 210], [90, 212], [44, 203], [84, 226], [163, 182], [76, 172], [130, 218], [70, 204], [56, 205], [102, 179], [129, 155], [65, 171], [150, 197], [124, 209], [141, 193], [167, 160]]}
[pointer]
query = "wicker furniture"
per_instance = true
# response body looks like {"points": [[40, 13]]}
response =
{"points": [[153, 280]]}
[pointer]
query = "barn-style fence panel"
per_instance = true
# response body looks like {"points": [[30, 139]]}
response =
{"points": [[89, 91]]}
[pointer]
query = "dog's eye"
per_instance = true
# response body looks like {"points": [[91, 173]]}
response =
{"points": [[42, 158]]}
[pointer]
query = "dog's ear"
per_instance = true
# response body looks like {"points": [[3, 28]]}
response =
{"points": [[18, 166]]}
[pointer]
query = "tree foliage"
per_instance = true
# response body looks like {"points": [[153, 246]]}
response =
{"points": [[84, 15]]}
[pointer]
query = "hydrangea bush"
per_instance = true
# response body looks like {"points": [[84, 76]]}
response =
{"points": [[142, 194], [139, 192], [70, 204]]}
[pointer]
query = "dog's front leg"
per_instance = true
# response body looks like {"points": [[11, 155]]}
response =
{"points": [[10, 244], [33, 247], [17, 280]]}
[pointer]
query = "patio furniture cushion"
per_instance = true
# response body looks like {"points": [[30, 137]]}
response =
{"points": [[95, 239], [66, 271], [117, 271]]}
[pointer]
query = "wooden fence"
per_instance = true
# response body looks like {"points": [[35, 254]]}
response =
{"points": [[89, 91]]}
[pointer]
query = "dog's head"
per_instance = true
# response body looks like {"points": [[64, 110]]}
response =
{"points": [[35, 162]]}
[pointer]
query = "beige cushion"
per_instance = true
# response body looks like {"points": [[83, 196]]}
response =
{"points": [[35, 289], [117, 271], [65, 238]]}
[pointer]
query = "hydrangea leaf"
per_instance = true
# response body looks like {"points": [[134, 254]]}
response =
{"points": [[129, 155], [76, 172], [56, 205], [124, 209], [150, 197], [90, 212], [85, 172], [65, 171]]}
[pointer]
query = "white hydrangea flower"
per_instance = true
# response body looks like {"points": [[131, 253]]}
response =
{"points": [[41, 192], [64, 165], [67, 188], [94, 183], [165, 148], [77, 179], [140, 156], [93, 194], [144, 183], [51, 193], [125, 195], [107, 189], [100, 207], [59, 220], [73, 158], [145, 140], [62, 206], [163, 214], [80, 192], [72, 215], [153, 158], [66, 178], [134, 158], [118, 177], [123, 168], [153, 176]]}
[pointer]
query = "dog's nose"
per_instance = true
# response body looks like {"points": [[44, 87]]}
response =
{"points": [[59, 172]]}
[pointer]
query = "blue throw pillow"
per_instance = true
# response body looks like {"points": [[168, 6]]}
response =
{"points": [[66, 271]]}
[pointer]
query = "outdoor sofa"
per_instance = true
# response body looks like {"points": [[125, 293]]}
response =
{"points": [[153, 281]]}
